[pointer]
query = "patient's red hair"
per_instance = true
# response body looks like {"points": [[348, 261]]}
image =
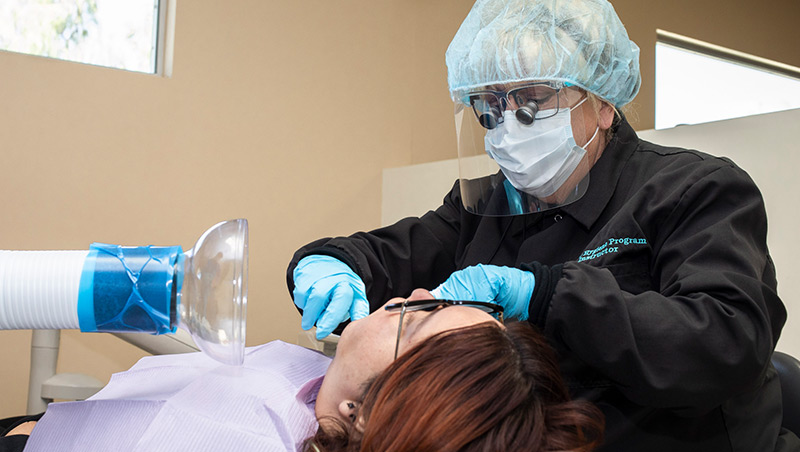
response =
{"points": [[480, 388]]}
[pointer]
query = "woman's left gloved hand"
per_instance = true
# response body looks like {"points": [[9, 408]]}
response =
{"points": [[509, 287]]}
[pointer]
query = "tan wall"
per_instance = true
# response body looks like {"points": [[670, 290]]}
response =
{"points": [[281, 112]]}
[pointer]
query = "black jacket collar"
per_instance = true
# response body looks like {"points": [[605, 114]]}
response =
{"points": [[604, 176]]}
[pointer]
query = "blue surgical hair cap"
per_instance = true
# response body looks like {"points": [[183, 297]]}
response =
{"points": [[577, 42]]}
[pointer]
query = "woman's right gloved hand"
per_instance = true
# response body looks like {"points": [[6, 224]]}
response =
{"points": [[328, 292]]}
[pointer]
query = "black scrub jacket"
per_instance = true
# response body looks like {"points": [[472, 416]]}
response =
{"points": [[656, 289]]}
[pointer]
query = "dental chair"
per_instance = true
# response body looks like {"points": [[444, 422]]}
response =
{"points": [[789, 373], [46, 385]]}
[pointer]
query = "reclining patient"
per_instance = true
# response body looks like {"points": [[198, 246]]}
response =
{"points": [[461, 382]]}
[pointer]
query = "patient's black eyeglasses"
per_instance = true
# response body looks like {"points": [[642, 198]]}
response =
{"points": [[493, 309]]}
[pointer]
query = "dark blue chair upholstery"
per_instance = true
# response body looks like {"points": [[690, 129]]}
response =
{"points": [[789, 373]]}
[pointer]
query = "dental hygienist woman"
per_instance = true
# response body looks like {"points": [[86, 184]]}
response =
{"points": [[645, 266]]}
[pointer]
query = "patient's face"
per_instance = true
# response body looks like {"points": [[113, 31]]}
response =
{"points": [[366, 348]]}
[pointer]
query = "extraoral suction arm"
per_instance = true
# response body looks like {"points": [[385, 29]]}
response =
{"points": [[112, 288]]}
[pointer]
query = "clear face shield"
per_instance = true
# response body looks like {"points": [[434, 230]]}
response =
{"points": [[521, 148]]}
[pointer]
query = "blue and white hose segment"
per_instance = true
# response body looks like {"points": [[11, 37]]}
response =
{"points": [[109, 288]]}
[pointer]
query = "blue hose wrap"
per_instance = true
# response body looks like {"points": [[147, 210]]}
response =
{"points": [[131, 289], [85, 297]]}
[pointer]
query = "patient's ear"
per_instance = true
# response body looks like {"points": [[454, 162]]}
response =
{"points": [[349, 410]]}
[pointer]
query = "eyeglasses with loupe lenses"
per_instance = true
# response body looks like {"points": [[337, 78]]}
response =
{"points": [[529, 103]]}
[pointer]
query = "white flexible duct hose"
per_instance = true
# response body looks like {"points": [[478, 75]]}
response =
{"points": [[39, 289]]}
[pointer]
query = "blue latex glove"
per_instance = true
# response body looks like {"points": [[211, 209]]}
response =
{"points": [[328, 292], [511, 288]]}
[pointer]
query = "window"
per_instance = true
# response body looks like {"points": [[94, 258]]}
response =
{"points": [[124, 34], [698, 82]]}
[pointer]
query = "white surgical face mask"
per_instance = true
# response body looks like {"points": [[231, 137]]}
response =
{"points": [[536, 159]]}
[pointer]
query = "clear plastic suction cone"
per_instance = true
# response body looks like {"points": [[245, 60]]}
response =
{"points": [[213, 299]]}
